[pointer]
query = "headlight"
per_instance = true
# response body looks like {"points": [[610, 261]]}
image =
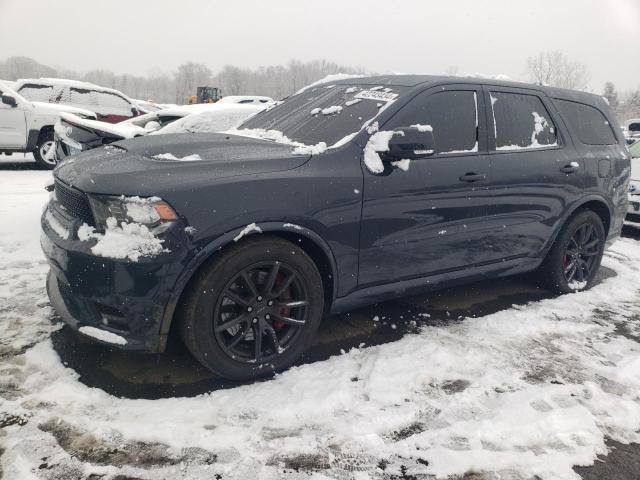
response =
{"points": [[152, 212]]}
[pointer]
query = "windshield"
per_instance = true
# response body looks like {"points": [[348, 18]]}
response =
{"points": [[325, 113]]}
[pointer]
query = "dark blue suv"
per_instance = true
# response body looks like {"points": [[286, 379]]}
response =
{"points": [[342, 195]]}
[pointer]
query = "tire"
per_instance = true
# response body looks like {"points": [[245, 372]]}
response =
{"points": [[572, 264], [45, 143], [221, 295]]}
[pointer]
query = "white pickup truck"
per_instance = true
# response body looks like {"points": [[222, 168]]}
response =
{"points": [[28, 126]]}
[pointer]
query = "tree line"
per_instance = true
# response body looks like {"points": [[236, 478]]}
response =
{"points": [[278, 81]]}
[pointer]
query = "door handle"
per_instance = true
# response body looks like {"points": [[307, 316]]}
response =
{"points": [[472, 177], [571, 168]]}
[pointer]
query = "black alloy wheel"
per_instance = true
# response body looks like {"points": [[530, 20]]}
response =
{"points": [[574, 259], [261, 312], [253, 309], [582, 254]]}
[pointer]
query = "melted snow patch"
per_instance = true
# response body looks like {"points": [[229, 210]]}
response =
{"points": [[378, 143], [333, 109], [402, 164], [252, 227], [103, 335], [125, 241], [422, 128], [171, 156], [292, 225]]}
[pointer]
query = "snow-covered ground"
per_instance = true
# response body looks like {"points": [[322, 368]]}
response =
{"points": [[530, 390]]}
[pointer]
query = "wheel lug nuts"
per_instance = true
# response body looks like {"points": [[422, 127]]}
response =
{"points": [[267, 316], [249, 309], [259, 298], [270, 302], [255, 320]]}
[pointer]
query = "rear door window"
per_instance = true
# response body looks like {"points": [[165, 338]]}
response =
{"points": [[453, 116], [588, 123], [521, 122]]}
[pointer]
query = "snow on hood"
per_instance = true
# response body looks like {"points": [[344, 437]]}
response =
{"points": [[59, 108], [212, 120], [119, 130]]}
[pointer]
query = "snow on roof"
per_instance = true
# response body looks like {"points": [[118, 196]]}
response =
{"points": [[64, 82]]}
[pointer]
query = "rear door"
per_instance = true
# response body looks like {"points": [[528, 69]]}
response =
{"points": [[535, 171], [430, 217]]}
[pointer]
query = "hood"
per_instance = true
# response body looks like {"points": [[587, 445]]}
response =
{"points": [[151, 165], [57, 108], [118, 131]]}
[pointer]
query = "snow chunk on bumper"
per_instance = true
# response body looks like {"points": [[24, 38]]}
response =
{"points": [[129, 241], [103, 335]]}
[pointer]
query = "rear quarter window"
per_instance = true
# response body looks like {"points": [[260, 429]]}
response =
{"points": [[587, 123]]}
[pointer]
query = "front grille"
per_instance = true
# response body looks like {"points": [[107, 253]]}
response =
{"points": [[74, 202]]}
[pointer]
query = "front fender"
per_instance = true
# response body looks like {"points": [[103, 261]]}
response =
{"points": [[229, 238]]}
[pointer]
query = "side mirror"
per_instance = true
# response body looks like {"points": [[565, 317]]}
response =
{"points": [[9, 100], [152, 126], [414, 143]]}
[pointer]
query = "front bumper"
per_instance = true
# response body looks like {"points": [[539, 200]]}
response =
{"points": [[118, 296]]}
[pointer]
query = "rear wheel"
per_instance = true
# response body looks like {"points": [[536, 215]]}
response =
{"points": [[45, 151], [574, 259], [254, 310]]}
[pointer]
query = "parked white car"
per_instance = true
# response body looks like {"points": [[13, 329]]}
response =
{"points": [[246, 100], [108, 104], [28, 126]]}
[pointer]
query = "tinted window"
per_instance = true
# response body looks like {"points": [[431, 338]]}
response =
{"points": [[634, 127], [587, 123], [452, 115], [326, 113], [36, 93], [521, 122]]}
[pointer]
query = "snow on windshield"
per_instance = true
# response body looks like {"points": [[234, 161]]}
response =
{"points": [[321, 115]]}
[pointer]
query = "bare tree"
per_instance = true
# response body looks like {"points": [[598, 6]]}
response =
{"points": [[611, 95], [557, 70], [24, 67], [189, 76]]}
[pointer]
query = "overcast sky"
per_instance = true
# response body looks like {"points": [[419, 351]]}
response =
{"points": [[412, 36]]}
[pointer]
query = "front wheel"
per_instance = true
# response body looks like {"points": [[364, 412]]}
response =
{"points": [[254, 310], [45, 151], [573, 261]]}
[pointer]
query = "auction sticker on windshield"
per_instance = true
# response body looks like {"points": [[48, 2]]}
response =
{"points": [[376, 95]]}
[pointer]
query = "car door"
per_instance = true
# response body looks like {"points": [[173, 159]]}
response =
{"points": [[13, 126], [430, 217], [535, 171]]}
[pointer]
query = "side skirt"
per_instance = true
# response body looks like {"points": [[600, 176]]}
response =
{"points": [[415, 286]]}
